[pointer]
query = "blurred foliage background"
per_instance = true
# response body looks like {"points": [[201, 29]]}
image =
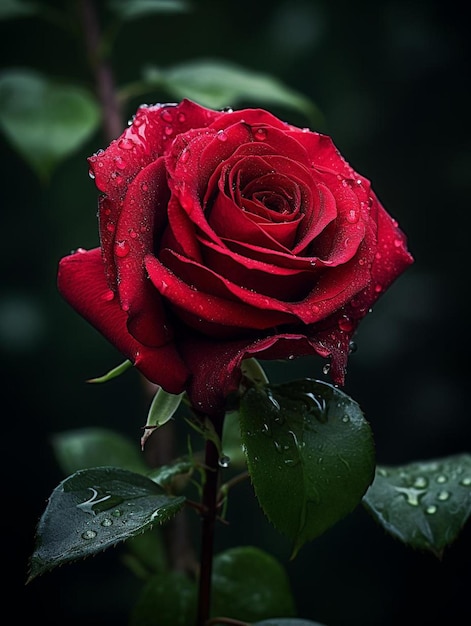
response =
{"points": [[392, 82]]}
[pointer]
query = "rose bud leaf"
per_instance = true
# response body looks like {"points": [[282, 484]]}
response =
{"points": [[45, 121], [113, 373], [82, 518], [82, 448], [162, 409], [310, 455], [424, 504]]}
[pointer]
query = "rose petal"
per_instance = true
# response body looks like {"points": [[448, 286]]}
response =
{"points": [[82, 283]]}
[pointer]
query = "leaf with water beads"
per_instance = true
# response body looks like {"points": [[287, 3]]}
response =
{"points": [[94, 509], [310, 455], [424, 504]]}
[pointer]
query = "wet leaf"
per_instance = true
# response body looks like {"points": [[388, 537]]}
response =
{"points": [[424, 504], [310, 455], [96, 447], [94, 509]]}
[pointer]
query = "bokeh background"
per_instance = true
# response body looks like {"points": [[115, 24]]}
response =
{"points": [[392, 80]]}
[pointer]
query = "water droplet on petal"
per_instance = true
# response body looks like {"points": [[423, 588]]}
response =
{"points": [[126, 144], [353, 216], [166, 115], [345, 323], [221, 135], [181, 117], [91, 174], [326, 368], [260, 134], [224, 461], [107, 296], [122, 248]]}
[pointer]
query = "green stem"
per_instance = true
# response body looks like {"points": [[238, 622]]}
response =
{"points": [[102, 71], [209, 502]]}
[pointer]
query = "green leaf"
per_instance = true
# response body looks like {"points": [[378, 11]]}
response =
{"points": [[44, 121], [94, 509], [249, 585], [424, 504], [217, 83], [166, 600], [10, 9], [287, 622], [162, 408], [116, 371], [133, 9], [310, 455], [168, 474], [95, 447]]}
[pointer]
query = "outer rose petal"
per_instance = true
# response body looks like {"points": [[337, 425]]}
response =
{"points": [[82, 283]]}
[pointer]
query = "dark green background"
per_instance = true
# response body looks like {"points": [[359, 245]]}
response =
{"points": [[392, 80]]}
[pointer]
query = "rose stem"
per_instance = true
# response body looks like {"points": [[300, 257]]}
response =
{"points": [[103, 73], [180, 552], [209, 502]]}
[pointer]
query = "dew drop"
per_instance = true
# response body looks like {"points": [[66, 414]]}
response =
{"points": [[260, 134], [221, 135], [116, 513], [144, 187], [326, 368], [166, 115], [227, 110], [224, 461], [185, 156], [443, 496], [383, 472], [430, 510], [107, 296], [126, 144], [122, 248], [420, 482], [345, 323], [466, 481], [89, 534], [352, 347], [168, 130], [353, 216], [345, 419], [181, 117], [107, 522], [441, 479], [91, 174]]}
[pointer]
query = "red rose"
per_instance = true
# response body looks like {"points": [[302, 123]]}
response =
{"points": [[226, 235]]}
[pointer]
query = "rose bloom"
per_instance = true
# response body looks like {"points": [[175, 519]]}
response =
{"points": [[226, 235]]}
